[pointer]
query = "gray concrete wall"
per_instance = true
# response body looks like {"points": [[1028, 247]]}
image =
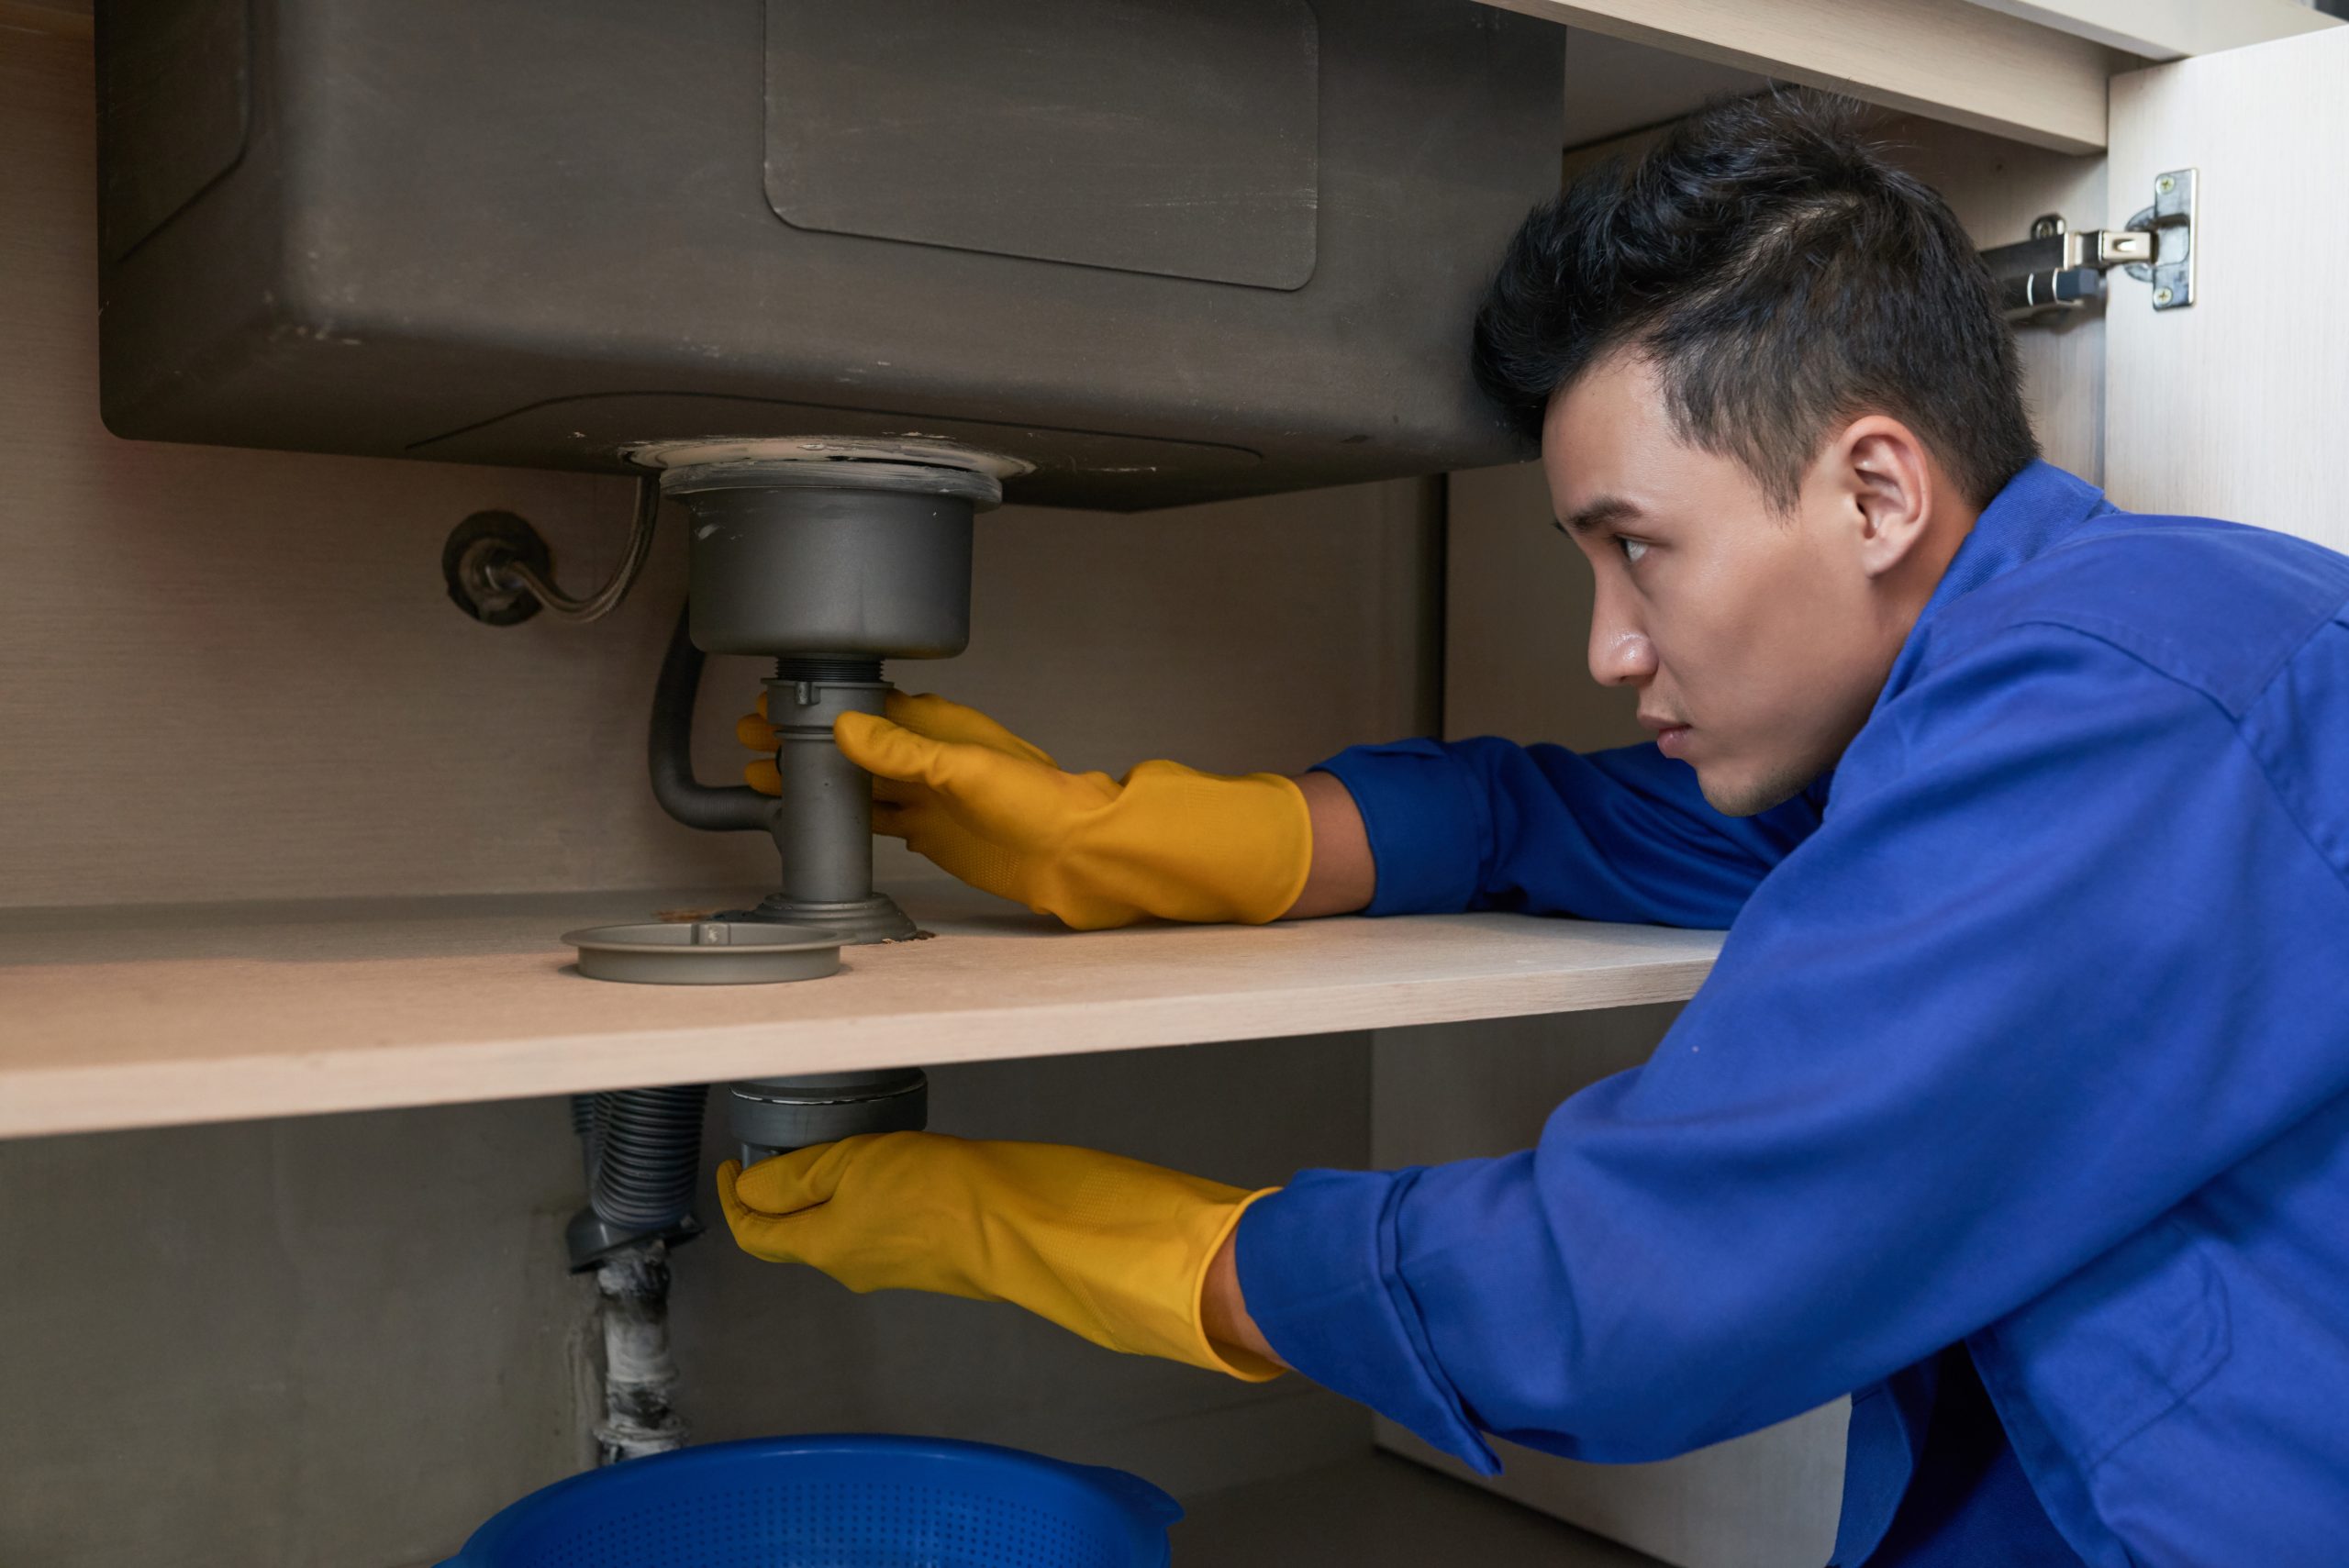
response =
{"points": [[346, 1340]]}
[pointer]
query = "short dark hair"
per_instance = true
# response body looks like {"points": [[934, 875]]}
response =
{"points": [[1783, 276]]}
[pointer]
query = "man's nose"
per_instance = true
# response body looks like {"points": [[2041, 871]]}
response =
{"points": [[1621, 653]]}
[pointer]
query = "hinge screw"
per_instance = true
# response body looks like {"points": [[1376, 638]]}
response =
{"points": [[2162, 296], [2166, 184]]}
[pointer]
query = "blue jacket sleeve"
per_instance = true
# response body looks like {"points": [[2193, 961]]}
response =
{"points": [[2058, 957], [1620, 835]]}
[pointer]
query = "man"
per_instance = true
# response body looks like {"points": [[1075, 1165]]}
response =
{"points": [[2018, 1104]]}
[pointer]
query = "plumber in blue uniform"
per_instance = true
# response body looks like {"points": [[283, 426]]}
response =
{"points": [[2017, 1107]]}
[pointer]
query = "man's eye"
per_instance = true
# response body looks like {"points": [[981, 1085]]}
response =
{"points": [[1632, 549]]}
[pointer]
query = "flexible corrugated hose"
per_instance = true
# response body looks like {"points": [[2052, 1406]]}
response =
{"points": [[643, 1149], [647, 1155]]}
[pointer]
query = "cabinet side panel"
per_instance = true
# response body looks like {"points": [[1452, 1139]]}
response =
{"points": [[2232, 407]]}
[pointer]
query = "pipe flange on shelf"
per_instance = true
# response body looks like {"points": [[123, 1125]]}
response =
{"points": [[854, 922], [730, 951]]}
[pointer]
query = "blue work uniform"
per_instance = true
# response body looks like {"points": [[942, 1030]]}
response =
{"points": [[2021, 1084]]}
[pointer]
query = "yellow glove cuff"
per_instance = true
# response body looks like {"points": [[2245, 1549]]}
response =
{"points": [[1245, 1366], [1184, 845]]}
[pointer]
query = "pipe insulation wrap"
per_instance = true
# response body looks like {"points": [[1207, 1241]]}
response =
{"points": [[639, 1376]]}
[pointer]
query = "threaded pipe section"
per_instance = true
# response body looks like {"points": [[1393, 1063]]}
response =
{"points": [[819, 670], [647, 1155]]}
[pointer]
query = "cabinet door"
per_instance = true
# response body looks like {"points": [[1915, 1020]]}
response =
{"points": [[2233, 407]]}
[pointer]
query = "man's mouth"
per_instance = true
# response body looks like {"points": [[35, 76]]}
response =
{"points": [[1669, 735]]}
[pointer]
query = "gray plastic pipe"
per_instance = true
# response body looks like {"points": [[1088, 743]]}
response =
{"points": [[711, 808]]}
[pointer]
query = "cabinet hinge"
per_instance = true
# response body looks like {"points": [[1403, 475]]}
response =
{"points": [[2060, 268]]}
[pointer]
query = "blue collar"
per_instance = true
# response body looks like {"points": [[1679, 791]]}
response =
{"points": [[2038, 509]]}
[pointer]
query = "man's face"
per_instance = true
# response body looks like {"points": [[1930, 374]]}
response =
{"points": [[1756, 638]]}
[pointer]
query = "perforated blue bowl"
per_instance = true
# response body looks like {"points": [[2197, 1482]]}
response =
{"points": [[834, 1502]]}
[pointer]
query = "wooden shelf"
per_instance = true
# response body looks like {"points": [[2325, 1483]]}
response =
{"points": [[134, 1017]]}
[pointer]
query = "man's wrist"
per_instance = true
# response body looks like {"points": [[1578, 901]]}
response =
{"points": [[1342, 876], [1223, 1308]]}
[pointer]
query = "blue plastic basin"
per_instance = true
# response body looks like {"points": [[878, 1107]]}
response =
{"points": [[856, 1501]]}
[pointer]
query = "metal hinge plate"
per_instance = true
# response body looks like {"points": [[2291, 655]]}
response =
{"points": [[2170, 221], [2059, 268]]}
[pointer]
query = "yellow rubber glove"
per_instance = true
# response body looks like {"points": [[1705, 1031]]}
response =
{"points": [[1109, 1248], [1166, 841], [930, 715], [753, 730]]}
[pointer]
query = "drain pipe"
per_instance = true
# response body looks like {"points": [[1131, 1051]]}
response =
{"points": [[643, 1152], [641, 1149], [710, 808], [827, 557], [640, 1375]]}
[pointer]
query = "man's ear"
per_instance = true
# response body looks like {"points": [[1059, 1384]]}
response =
{"points": [[1886, 490]]}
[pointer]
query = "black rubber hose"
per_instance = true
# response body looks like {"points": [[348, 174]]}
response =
{"points": [[671, 751], [648, 1156]]}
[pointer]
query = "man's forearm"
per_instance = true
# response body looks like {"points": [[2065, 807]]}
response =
{"points": [[1344, 877]]}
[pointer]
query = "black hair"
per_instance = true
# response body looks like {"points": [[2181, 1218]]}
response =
{"points": [[1783, 276]]}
